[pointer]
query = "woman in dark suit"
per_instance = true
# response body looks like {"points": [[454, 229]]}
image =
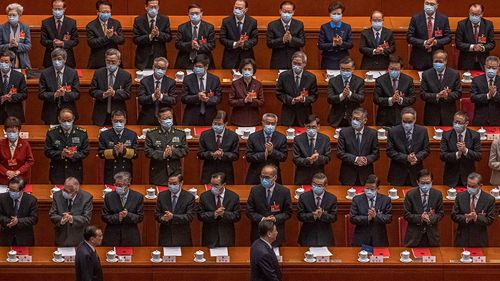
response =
{"points": [[16, 157], [246, 97]]}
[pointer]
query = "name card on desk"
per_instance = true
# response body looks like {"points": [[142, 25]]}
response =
{"points": [[170, 259], [222, 259], [428, 259], [322, 259], [479, 259], [126, 259], [24, 258], [376, 259]]}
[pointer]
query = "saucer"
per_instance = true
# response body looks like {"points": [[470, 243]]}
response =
{"points": [[57, 261], [382, 138], [363, 260], [113, 260], [202, 260], [348, 197], [395, 197], [484, 138], [138, 80], [290, 138], [149, 197], [465, 261], [497, 198], [179, 80], [296, 197], [155, 260], [450, 198], [369, 80], [244, 138], [14, 260], [310, 261], [466, 81], [189, 137], [436, 137], [405, 261], [336, 136]]}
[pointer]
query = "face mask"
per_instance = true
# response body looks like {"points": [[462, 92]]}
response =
{"points": [[247, 73], [394, 74], [238, 13], [311, 133], [195, 18], [120, 190], [174, 188], [336, 18], [459, 128], [317, 190], [112, 67], [216, 190], [491, 73], [118, 126], [408, 126], [5, 67], [159, 73], [345, 74], [13, 20], [265, 182], [297, 69], [438, 66], [153, 12], [218, 129], [167, 123], [58, 64], [475, 19], [472, 190], [269, 129], [286, 17], [66, 195], [14, 195], [377, 25], [200, 71], [104, 16], [67, 125], [429, 9], [356, 125], [58, 14], [425, 187], [370, 194], [12, 136]]}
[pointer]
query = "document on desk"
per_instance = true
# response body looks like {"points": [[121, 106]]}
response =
{"points": [[276, 251], [320, 251], [172, 252], [219, 252], [67, 251]]}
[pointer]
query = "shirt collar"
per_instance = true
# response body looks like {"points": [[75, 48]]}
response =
{"points": [[114, 73], [242, 20], [284, 23], [103, 22], [300, 74], [197, 25], [442, 72], [90, 245], [477, 194], [61, 19], [333, 25], [8, 74], [15, 143], [221, 134], [221, 195], [62, 70], [150, 18], [361, 131], [270, 246], [176, 194], [428, 16], [375, 32]]}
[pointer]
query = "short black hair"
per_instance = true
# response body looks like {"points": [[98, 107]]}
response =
{"points": [[477, 4], [203, 59], [395, 59], [264, 227], [248, 61], [287, 3], [347, 60], [195, 5], [118, 113], [103, 2], [18, 180], [336, 5], [220, 175], [246, 2], [9, 54], [165, 109], [312, 118], [181, 178], [89, 232], [221, 115], [320, 176], [372, 179], [12, 122], [424, 173], [147, 1], [64, 2]]}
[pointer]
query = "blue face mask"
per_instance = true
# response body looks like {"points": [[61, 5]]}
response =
{"points": [[66, 195], [218, 129], [297, 69], [266, 183], [429, 9], [118, 126], [216, 190], [120, 190], [346, 74], [4, 67], [491, 73], [377, 25], [269, 129], [459, 128], [12, 136], [472, 190], [356, 125], [14, 195], [336, 18], [370, 193], [58, 64], [247, 73], [195, 18], [425, 187], [286, 17], [13, 20], [474, 19], [318, 190], [408, 126], [174, 188], [394, 74], [438, 66], [112, 67], [238, 13], [167, 123], [104, 16], [58, 14], [153, 12], [312, 133], [159, 73], [67, 125], [200, 71]]}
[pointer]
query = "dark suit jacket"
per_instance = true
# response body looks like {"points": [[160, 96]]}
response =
{"points": [[255, 155], [348, 150], [27, 216], [87, 264], [485, 110], [317, 232], [340, 112], [440, 112], [148, 50], [145, 98], [99, 85], [391, 115], [125, 232], [246, 114], [304, 169], [23, 157], [229, 34], [183, 43], [368, 44], [413, 210], [264, 265], [464, 38], [286, 90], [99, 43], [331, 55], [474, 233], [257, 208], [281, 55], [374, 232], [113, 162], [398, 151], [48, 33], [420, 58], [457, 170], [177, 231], [190, 90], [48, 87], [208, 145], [219, 232], [14, 107]]}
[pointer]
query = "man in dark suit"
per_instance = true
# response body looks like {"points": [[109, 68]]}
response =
{"points": [[474, 38], [440, 90], [429, 31], [219, 211], [317, 210], [460, 149], [165, 145], [193, 38], [393, 92], [473, 211], [155, 92], [345, 93], [266, 146], [18, 215], [151, 34], [238, 35], [407, 147], [357, 148], [87, 262], [59, 31], [117, 146], [13, 89], [269, 201], [175, 209], [219, 148], [264, 265], [285, 36], [485, 94], [122, 212], [423, 209], [110, 88], [201, 93], [377, 44], [297, 90], [59, 88], [370, 213], [103, 33], [311, 152]]}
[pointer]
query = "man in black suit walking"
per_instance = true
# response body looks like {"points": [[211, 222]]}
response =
{"points": [[423, 209], [473, 211], [18, 215], [285, 36], [485, 94], [264, 264], [175, 209], [407, 147], [371, 212], [151, 34], [317, 210], [87, 262], [269, 201], [393, 91], [377, 44], [441, 88], [266, 146], [460, 149], [219, 211], [110, 88], [358, 149], [13, 88], [345, 93], [103, 33]]}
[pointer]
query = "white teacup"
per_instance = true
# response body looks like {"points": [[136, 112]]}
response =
{"points": [[438, 133], [179, 75], [309, 256], [337, 132], [482, 132], [405, 255], [11, 255], [299, 191], [151, 192], [237, 75], [381, 133], [467, 76], [363, 255], [393, 192], [495, 192], [57, 255], [54, 190], [198, 255], [465, 255], [145, 131], [452, 193], [290, 132], [193, 191], [139, 74], [351, 192], [369, 76], [106, 190], [246, 133], [187, 131], [111, 255], [155, 255]]}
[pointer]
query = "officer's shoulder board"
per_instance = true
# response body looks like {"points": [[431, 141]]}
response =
{"points": [[155, 129], [81, 129], [52, 128]]}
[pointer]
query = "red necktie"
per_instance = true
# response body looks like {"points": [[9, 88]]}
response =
{"points": [[476, 33], [218, 142], [430, 28], [219, 204], [58, 27]]}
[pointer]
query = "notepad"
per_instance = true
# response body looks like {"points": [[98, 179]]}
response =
{"points": [[421, 252], [219, 252], [383, 252], [124, 251], [67, 251], [111, 186], [172, 251], [320, 251], [306, 187], [21, 250], [475, 252], [160, 188], [199, 130]]}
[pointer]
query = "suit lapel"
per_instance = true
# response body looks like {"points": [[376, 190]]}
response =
{"points": [[274, 195], [418, 200]]}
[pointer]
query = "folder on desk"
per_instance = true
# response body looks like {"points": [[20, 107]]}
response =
{"points": [[199, 130], [421, 252], [28, 188], [21, 251], [160, 188], [382, 252], [359, 189], [124, 251], [406, 191], [475, 252], [111, 186], [80, 73], [208, 187], [299, 130], [306, 187]]}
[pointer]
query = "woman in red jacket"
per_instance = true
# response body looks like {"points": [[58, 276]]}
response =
{"points": [[16, 157]]}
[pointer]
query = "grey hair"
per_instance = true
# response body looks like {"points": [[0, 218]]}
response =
{"points": [[271, 115], [73, 179], [158, 59], [474, 175], [111, 52], [301, 55], [123, 176], [59, 52], [361, 111], [409, 110], [493, 58], [14, 6]]}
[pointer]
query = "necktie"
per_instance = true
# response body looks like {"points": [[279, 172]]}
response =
{"points": [[59, 79], [202, 89], [425, 202], [346, 82], [110, 84], [430, 28], [358, 140], [377, 38], [268, 197], [268, 139], [408, 140], [151, 24], [492, 82], [297, 82], [124, 200], [16, 206], [219, 204], [6, 83], [287, 27], [240, 27], [59, 25], [105, 27], [70, 205], [174, 202], [311, 146], [218, 142], [476, 33], [372, 203], [394, 84], [157, 103], [460, 138], [195, 32], [440, 75], [194, 36], [318, 202], [472, 203]]}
